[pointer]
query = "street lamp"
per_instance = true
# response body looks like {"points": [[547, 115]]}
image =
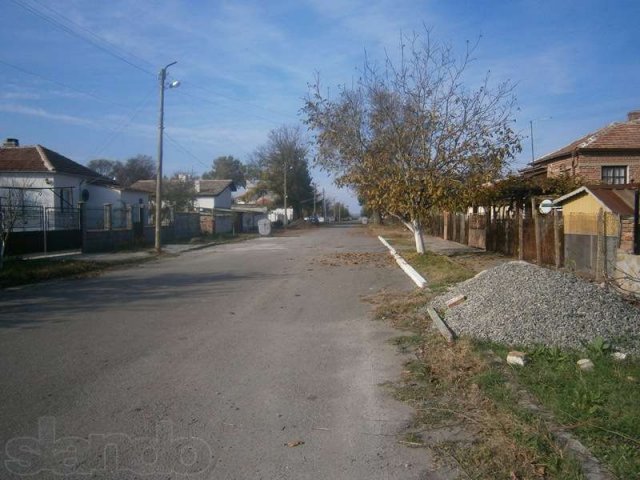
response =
{"points": [[174, 84]]}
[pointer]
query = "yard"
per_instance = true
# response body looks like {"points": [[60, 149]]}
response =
{"points": [[494, 420]]}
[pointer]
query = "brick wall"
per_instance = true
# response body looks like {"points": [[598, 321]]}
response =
{"points": [[590, 166], [626, 235]]}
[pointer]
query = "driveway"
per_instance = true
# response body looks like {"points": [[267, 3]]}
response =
{"points": [[243, 361]]}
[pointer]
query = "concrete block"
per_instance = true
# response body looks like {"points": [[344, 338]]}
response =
{"points": [[620, 356], [585, 364], [457, 300], [517, 358]]}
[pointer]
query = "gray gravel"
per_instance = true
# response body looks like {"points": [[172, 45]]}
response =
{"points": [[518, 303]]}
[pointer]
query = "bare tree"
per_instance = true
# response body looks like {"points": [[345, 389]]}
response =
{"points": [[411, 137], [14, 198]]}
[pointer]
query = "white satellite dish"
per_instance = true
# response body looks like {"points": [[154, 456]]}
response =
{"points": [[545, 206], [264, 227]]}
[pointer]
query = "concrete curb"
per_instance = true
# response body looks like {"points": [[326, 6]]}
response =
{"points": [[418, 279]]}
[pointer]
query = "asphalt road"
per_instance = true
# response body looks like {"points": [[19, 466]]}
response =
{"points": [[210, 365]]}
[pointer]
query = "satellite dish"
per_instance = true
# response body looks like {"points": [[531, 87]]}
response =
{"points": [[546, 206]]}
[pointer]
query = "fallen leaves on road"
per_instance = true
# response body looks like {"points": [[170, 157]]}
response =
{"points": [[295, 443], [377, 259]]}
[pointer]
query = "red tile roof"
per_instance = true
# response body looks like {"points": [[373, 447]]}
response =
{"points": [[40, 159], [617, 136]]}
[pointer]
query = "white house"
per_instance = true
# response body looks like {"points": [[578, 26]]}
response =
{"points": [[215, 196], [36, 176]]}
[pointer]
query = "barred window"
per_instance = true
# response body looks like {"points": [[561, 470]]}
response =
{"points": [[614, 175]]}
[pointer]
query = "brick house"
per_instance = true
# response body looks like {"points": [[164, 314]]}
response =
{"points": [[610, 155]]}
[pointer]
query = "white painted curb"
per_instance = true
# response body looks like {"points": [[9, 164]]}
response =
{"points": [[418, 279]]}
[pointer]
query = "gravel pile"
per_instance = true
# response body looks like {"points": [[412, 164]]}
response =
{"points": [[522, 304]]}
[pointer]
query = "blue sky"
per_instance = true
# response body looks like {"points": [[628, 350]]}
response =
{"points": [[245, 66]]}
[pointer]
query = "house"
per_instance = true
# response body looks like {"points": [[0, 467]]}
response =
{"points": [[247, 216], [610, 155], [37, 176], [598, 226], [213, 197]]}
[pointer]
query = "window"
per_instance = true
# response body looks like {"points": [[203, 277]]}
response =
{"points": [[66, 198], [614, 175]]}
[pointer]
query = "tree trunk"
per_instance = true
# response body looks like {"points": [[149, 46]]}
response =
{"points": [[417, 235], [1, 253]]}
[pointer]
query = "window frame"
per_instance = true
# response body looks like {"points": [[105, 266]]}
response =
{"points": [[610, 174]]}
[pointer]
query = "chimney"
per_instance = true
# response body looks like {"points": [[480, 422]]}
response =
{"points": [[13, 142], [635, 115]]}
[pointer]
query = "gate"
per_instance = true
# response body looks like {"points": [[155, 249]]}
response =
{"points": [[37, 229]]}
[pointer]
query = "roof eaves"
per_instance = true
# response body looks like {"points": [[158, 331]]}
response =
{"points": [[44, 158]]}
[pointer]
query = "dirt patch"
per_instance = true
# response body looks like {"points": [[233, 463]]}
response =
{"points": [[477, 262], [374, 259]]}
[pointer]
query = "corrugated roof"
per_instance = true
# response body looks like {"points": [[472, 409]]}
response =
{"points": [[40, 159], [148, 186], [213, 187], [619, 199], [617, 136]]}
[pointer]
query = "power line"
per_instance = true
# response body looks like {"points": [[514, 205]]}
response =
{"points": [[251, 104], [186, 150], [48, 18], [119, 130], [64, 85]]}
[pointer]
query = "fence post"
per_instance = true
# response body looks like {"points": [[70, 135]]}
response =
{"points": [[45, 227], [446, 225], [107, 216], [520, 215], [536, 227], [454, 218], [82, 207], [556, 239], [129, 216], [600, 246]]}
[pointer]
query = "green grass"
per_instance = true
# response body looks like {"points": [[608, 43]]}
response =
{"points": [[601, 407], [440, 271]]}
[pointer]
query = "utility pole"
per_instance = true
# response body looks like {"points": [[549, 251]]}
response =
{"points": [[314, 199], [324, 206], [285, 194], [158, 221], [531, 130]]}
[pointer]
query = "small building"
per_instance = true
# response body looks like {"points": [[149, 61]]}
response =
{"points": [[610, 155], [598, 223]]}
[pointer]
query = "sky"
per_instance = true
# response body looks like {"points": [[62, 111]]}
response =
{"points": [[81, 76]]}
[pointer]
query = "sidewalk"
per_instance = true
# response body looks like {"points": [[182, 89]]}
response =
{"points": [[447, 247], [172, 249]]}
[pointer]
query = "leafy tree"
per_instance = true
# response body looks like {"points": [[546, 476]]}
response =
{"points": [[179, 192], [227, 168], [517, 190], [285, 150], [411, 137]]}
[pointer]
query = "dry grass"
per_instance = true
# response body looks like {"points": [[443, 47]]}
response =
{"points": [[381, 259], [454, 389]]}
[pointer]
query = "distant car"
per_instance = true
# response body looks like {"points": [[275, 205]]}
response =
{"points": [[314, 220]]}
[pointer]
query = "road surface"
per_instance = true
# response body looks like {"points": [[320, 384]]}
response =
{"points": [[253, 360]]}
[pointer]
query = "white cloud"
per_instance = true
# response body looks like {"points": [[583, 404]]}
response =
{"points": [[42, 113]]}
